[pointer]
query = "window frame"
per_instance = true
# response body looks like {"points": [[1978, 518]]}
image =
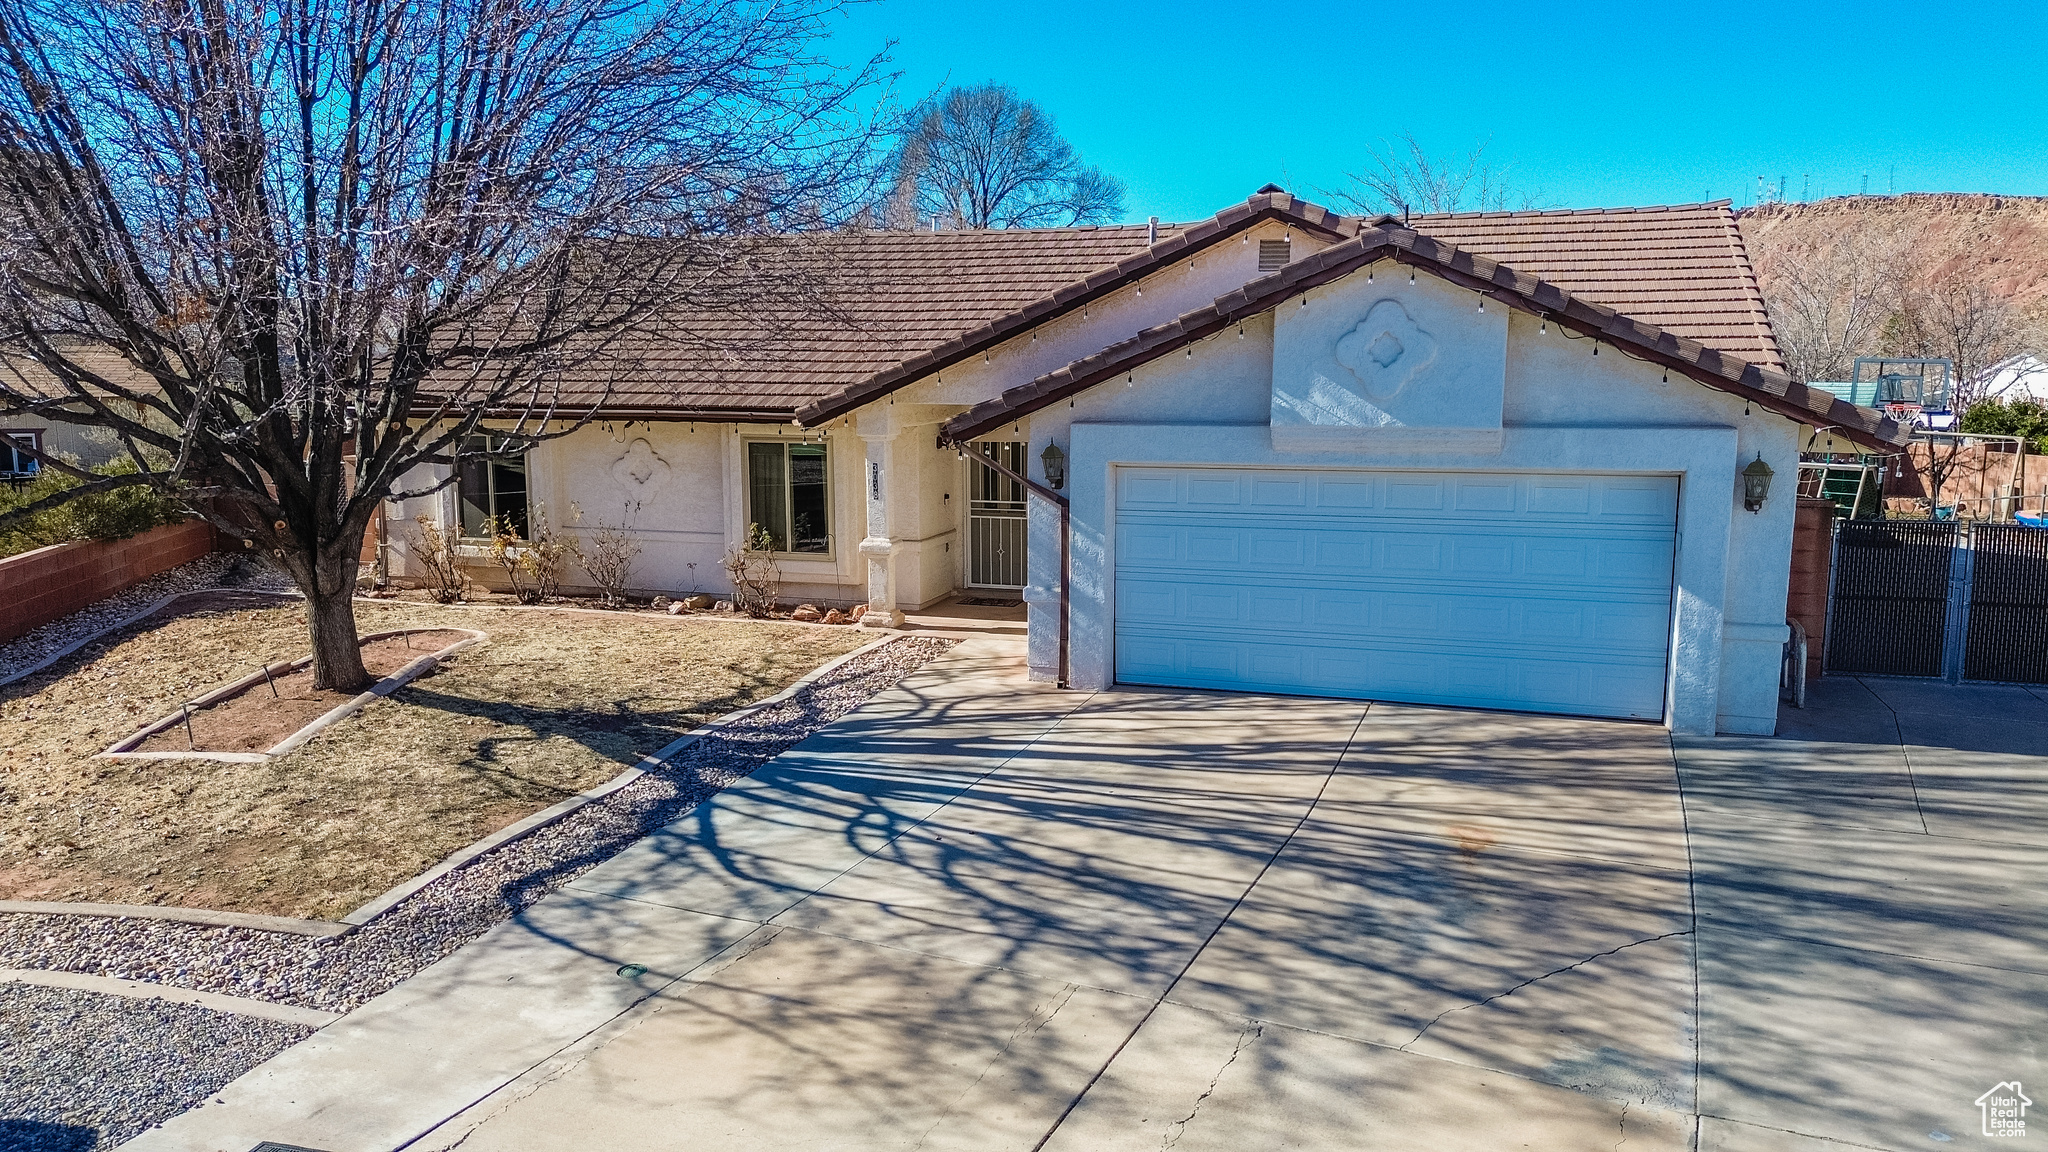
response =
{"points": [[747, 518], [34, 437], [491, 464]]}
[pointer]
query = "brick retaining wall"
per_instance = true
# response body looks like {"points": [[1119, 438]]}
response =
{"points": [[48, 583]]}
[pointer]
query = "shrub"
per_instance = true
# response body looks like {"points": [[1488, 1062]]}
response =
{"points": [[756, 577], [610, 562], [2018, 417], [533, 562], [113, 515], [434, 548]]}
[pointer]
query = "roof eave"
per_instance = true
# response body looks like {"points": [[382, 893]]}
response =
{"points": [[1774, 391]]}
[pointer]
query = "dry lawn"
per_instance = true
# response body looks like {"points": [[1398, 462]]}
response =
{"points": [[553, 703]]}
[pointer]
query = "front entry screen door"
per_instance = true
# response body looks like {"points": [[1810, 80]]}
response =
{"points": [[995, 517]]}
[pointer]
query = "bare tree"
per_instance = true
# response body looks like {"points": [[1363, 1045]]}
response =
{"points": [[322, 233], [1956, 313], [985, 157], [1829, 299], [1402, 177]]}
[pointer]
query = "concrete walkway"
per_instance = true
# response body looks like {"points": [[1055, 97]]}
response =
{"points": [[982, 916]]}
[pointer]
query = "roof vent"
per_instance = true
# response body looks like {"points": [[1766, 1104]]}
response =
{"points": [[1274, 255]]}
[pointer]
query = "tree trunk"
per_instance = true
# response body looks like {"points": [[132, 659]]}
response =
{"points": [[331, 622]]}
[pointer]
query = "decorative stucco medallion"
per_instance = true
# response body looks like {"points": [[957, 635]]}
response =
{"points": [[1386, 350], [641, 473]]}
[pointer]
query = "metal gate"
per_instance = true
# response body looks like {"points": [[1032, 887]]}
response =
{"points": [[997, 528], [1889, 613], [1920, 598], [2007, 634]]}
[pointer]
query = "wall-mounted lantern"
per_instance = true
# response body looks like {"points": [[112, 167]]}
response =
{"points": [[1055, 462], [1756, 483]]}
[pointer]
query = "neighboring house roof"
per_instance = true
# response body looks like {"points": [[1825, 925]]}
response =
{"points": [[2021, 377], [1768, 388], [29, 379]]}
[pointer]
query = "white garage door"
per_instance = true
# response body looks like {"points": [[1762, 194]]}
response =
{"points": [[1532, 592]]}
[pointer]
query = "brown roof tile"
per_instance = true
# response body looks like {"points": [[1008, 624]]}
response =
{"points": [[907, 304]]}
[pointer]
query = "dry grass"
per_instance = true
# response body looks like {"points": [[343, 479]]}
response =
{"points": [[554, 703]]}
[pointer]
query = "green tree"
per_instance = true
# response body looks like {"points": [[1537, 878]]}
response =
{"points": [[2019, 417]]}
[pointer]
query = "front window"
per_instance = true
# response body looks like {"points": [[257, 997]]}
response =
{"points": [[786, 496], [488, 486], [13, 461]]}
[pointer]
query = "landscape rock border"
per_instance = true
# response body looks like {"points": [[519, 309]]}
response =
{"points": [[297, 740], [142, 990]]}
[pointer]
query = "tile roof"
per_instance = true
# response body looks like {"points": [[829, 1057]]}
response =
{"points": [[905, 304], [894, 296], [1680, 267], [1269, 203], [1386, 239]]}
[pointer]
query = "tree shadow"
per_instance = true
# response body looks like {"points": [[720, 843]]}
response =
{"points": [[19, 1135]]}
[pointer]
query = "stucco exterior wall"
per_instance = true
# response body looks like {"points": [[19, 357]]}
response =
{"points": [[1565, 410], [689, 511]]}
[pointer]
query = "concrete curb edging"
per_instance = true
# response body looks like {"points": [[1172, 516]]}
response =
{"points": [[206, 916], [290, 744], [547, 816], [143, 990], [152, 610]]}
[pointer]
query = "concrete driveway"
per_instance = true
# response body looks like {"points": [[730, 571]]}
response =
{"points": [[975, 917]]}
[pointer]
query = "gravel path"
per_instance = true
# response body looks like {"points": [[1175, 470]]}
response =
{"points": [[219, 570], [339, 974], [82, 1071]]}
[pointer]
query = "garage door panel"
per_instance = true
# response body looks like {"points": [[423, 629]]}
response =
{"points": [[1549, 593], [1473, 552], [1346, 493], [1498, 613], [1386, 668]]}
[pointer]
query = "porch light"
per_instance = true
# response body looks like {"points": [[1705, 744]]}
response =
{"points": [[1055, 462], [1756, 483]]}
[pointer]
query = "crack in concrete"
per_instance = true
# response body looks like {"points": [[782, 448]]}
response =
{"points": [[1622, 1124], [1031, 1025], [1179, 1128], [1538, 979]]}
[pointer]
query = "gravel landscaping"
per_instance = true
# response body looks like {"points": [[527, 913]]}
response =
{"points": [[340, 973], [81, 1070]]}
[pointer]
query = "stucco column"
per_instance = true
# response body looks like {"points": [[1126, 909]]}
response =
{"points": [[882, 437]]}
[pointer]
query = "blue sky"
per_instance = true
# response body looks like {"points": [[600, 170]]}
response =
{"points": [[1196, 104]]}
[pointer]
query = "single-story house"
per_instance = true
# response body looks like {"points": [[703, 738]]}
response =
{"points": [[39, 430], [1503, 459]]}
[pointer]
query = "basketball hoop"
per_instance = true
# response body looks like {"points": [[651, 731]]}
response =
{"points": [[1903, 412]]}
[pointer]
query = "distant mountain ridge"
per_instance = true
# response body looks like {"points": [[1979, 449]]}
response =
{"points": [[1961, 275]]}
